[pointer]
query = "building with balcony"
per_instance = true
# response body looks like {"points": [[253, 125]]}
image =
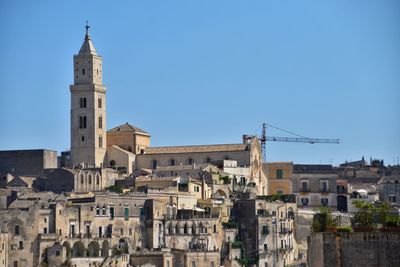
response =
{"points": [[315, 185]]}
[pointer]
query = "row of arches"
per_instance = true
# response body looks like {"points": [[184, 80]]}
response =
{"points": [[78, 250], [188, 228]]}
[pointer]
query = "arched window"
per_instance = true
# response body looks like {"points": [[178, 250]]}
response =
{"points": [[97, 179], [90, 179], [177, 229], [81, 178], [185, 229]]}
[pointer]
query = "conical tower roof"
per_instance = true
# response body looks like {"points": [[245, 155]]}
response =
{"points": [[87, 47]]}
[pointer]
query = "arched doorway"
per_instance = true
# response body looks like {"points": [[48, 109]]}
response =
{"points": [[123, 246], [78, 250], [93, 249], [68, 250], [105, 249]]}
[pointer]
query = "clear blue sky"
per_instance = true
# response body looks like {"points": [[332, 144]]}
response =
{"points": [[204, 72]]}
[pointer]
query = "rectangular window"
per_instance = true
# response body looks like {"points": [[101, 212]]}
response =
{"points": [[126, 213], [304, 186], [21, 245], [82, 122], [99, 103], [324, 186], [100, 141], [100, 122], [265, 230], [172, 162], [154, 163], [265, 247], [392, 198], [45, 230], [100, 231], [16, 230], [279, 174], [304, 201], [112, 213]]}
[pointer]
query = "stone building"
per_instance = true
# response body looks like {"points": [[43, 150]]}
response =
{"points": [[27, 162], [247, 155], [279, 174], [315, 185], [267, 231], [4, 248], [21, 224], [129, 138], [390, 189]]}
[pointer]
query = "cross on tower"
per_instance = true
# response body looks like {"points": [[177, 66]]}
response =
{"points": [[87, 27]]}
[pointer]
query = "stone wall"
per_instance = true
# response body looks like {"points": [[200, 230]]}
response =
{"points": [[27, 162], [354, 249]]}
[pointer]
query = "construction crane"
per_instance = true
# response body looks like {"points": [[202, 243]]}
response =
{"points": [[299, 139]]}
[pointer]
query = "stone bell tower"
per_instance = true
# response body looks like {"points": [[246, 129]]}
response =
{"points": [[88, 108]]}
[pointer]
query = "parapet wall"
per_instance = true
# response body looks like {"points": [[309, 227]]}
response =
{"points": [[354, 249]]}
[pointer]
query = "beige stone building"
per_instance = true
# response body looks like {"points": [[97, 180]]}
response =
{"points": [[279, 177], [247, 155]]}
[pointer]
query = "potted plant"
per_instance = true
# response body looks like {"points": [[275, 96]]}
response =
{"points": [[364, 217], [392, 224]]}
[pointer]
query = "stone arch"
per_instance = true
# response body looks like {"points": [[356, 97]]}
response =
{"points": [[220, 194], [105, 249], [78, 250], [68, 250], [93, 249], [123, 245], [97, 179]]}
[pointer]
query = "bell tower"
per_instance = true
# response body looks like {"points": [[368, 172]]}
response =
{"points": [[88, 107]]}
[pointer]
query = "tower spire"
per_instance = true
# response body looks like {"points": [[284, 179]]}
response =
{"points": [[87, 28]]}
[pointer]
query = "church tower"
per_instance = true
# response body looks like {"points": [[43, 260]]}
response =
{"points": [[88, 108]]}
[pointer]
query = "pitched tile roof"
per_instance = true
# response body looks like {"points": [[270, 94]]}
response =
{"points": [[196, 149], [127, 128]]}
